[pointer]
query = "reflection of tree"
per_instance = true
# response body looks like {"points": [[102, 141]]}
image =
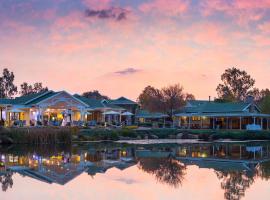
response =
{"points": [[235, 183], [263, 170], [168, 171], [6, 181]]}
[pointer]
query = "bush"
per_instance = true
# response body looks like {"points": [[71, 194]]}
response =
{"points": [[35, 135]]}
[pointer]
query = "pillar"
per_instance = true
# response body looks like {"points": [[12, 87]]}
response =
{"points": [[267, 122], [201, 122], [214, 121], [227, 122], [240, 123], [261, 123], [189, 122], [240, 149], [254, 120]]}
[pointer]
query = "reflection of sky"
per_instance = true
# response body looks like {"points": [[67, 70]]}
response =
{"points": [[167, 41], [197, 184]]}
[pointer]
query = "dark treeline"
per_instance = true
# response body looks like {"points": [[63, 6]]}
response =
{"points": [[236, 85], [8, 89]]}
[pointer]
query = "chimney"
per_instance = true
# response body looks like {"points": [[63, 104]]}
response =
{"points": [[250, 100], [209, 98]]}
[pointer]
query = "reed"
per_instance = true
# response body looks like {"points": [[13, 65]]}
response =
{"points": [[35, 135]]}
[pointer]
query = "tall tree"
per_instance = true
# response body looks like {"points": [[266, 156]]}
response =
{"points": [[95, 94], [151, 99], [173, 98], [166, 100], [7, 87], [236, 85], [27, 89]]}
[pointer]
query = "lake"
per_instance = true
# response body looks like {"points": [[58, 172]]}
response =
{"points": [[140, 170]]}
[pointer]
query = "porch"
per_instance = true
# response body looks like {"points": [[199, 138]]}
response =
{"points": [[222, 121]]}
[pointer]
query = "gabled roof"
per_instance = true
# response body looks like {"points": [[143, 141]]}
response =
{"points": [[27, 98], [93, 103], [41, 98], [214, 107], [6, 101], [122, 100], [147, 114]]}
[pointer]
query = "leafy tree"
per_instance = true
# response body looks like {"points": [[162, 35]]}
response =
{"points": [[265, 104], [237, 84], [94, 95], [7, 87], [166, 100], [151, 99], [189, 97], [173, 98], [27, 89]]}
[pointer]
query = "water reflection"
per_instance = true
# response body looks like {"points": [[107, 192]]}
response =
{"points": [[166, 170], [236, 165]]}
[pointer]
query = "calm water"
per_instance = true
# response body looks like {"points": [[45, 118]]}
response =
{"points": [[136, 171]]}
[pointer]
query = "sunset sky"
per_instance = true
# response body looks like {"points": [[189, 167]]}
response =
{"points": [[121, 46]]}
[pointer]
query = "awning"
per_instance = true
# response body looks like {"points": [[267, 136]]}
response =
{"points": [[15, 110], [111, 113], [127, 114]]}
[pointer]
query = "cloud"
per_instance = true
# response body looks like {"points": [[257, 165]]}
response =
{"points": [[117, 14], [127, 71], [165, 7], [243, 11], [97, 4]]}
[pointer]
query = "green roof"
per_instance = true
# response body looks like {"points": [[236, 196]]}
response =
{"points": [[147, 114], [122, 100], [6, 101], [27, 98], [93, 103], [41, 97], [213, 107]]}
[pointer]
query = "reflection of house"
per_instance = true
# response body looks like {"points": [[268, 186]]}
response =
{"points": [[215, 115], [62, 108]]}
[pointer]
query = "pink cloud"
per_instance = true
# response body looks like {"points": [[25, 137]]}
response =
{"points": [[264, 27], [243, 11], [176, 7], [97, 4]]}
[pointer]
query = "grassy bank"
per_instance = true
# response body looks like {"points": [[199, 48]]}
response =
{"points": [[121, 134], [231, 134], [48, 135], [56, 135]]}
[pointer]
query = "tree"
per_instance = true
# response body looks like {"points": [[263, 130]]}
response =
{"points": [[7, 87], [265, 104], [166, 100], [189, 97], [173, 98], [94, 95], [27, 89], [237, 84], [166, 170], [151, 99], [6, 181]]}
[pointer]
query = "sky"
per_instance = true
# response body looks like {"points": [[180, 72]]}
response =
{"points": [[121, 46]]}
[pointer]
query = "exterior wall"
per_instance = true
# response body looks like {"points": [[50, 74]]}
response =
{"points": [[200, 122], [76, 116], [26, 117], [95, 116]]}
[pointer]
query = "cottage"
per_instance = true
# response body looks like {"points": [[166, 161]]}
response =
{"points": [[60, 109], [215, 115]]}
